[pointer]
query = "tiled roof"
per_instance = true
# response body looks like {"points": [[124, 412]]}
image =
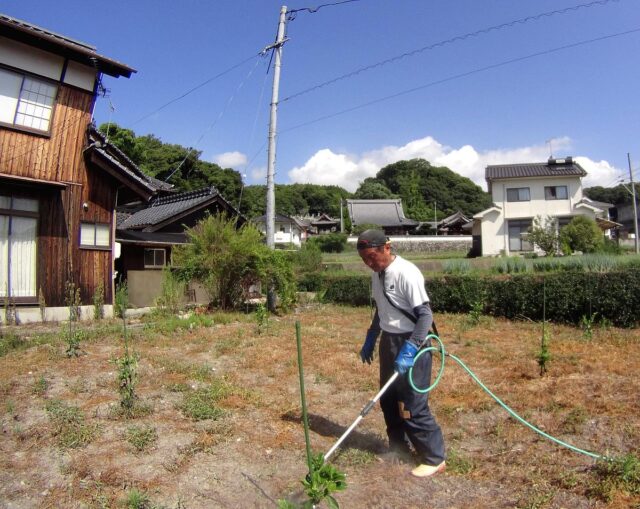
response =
{"points": [[552, 168], [381, 212], [281, 218], [169, 206], [47, 40], [98, 143], [150, 238]]}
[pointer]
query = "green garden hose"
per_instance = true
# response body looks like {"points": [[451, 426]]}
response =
{"points": [[444, 354]]}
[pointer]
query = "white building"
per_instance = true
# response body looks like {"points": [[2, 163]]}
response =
{"points": [[520, 192], [287, 230]]}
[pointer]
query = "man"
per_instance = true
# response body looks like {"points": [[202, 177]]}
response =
{"points": [[404, 317]]}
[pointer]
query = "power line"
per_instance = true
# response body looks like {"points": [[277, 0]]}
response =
{"points": [[190, 91], [291, 13], [452, 40], [461, 75], [220, 115]]}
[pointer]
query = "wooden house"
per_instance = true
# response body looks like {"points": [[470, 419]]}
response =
{"points": [[58, 181]]}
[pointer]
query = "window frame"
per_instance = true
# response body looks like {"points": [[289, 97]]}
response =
{"points": [[28, 214], [518, 191], [34, 77], [548, 193], [519, 223], [94, 246], [155, 250]]}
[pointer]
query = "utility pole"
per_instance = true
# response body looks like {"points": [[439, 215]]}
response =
{"points": [[271, 198], [341, 217], [635, 208], [435, 216]]}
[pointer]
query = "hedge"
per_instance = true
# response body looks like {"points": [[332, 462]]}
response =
{"points": [[568, 296]]}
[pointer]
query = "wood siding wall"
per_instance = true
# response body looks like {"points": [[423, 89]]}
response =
{"points": [[60, 158]]}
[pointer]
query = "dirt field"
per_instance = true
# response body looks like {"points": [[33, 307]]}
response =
{"points": [[64, 444]]}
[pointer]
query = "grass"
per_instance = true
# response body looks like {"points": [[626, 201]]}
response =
{"points": [[69, 425], [141, 437], [226, 402]]}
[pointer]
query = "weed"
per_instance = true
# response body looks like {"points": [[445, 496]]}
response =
{"points": [[202, 403], [10, 407], [262, 317], [42, 304], [323, 480], [475, 313], [121, 300], [137, 499], [10, 317], [9, 342], [141, 437], [574, 420], [456, 266], [127, 380], [538, 498], [40, 386], [621, 473], [73, 337], [98, 302], [586, 323], [170, 299], [72, 300], [355, 457], [69, 426], [544, 354]]}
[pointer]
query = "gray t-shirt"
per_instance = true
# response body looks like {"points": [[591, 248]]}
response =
{"points": [[404, 285]]}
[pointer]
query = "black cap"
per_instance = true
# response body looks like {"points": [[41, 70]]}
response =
{"points": [[371, 238]]}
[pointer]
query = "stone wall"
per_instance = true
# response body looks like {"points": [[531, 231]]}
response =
{"points": [[427, 243]]}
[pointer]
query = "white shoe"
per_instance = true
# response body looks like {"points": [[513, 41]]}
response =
{"points": [[428, 470]]}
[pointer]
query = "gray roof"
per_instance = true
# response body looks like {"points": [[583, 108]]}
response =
{"points": [[173, 207], [52, 42], [281, 218], [552, 168], [380, 212]]}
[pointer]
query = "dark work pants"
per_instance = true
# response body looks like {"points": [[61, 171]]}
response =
{"points": [[406, 412]]}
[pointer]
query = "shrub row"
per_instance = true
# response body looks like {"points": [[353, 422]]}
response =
{"points": [[560, 297]]}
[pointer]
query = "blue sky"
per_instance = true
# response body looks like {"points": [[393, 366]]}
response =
{"points": [[506, 95]]}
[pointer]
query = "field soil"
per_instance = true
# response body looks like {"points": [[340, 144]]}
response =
{"points": [[251, 453]]}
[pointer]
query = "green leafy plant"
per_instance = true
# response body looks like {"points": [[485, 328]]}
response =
{"points": [[171, 292], [225, 260], [323, 480], [98, 302], [262, 317], [544, 234], [621, 473], [73, 338], [127, 380], [544, 354], [586, 323], [202, 403], [475, 313], [141, 437], [121, 300], [69, 426], [42, 304]]}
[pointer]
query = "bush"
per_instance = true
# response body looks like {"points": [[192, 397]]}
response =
{"points": [[331, 243], [307, 259], [225, 260], [581, 234], [613, 297]]}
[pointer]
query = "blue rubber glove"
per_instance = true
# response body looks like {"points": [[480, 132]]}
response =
{"points": [[406, 357], [369, 346]]}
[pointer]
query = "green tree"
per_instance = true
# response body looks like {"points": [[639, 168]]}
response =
{"points": [[544, 234], [225, 261], [581, 234], [420, 184], [373, 189]]}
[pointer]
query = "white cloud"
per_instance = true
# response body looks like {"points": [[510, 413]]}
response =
{"points": [[326, 167], [230, 159]]}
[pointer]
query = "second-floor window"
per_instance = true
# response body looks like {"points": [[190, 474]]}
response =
{"points": [[518, 194], [555, 193], [26, 101]]}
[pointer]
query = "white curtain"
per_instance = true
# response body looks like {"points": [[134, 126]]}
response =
{"points": [[22, 257], [4, 254]]}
